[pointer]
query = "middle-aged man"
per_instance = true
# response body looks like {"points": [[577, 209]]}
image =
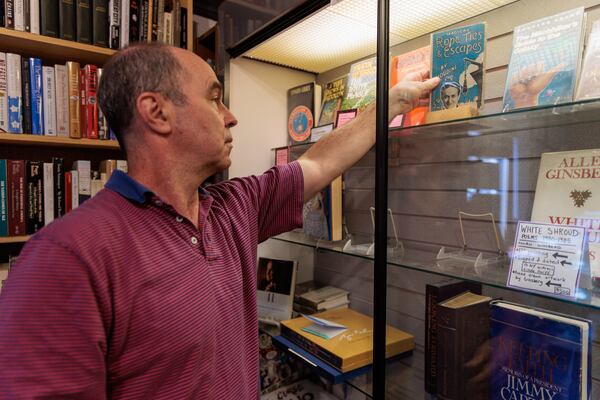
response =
{"points": [[148, 290]]}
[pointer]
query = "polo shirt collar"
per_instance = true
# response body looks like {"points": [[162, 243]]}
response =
{"points": [[128, 187]]}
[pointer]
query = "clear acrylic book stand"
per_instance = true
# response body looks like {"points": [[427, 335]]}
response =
{"points": [[395, 248]]}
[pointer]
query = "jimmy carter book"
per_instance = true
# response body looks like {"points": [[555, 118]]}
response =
{"points": [[457, 58]]}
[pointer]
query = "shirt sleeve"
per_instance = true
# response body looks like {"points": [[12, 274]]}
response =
{"points": [[273, 199], [52, 339]]}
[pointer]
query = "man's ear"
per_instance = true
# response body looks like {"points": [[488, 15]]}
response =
{"points": [[155, 111]]}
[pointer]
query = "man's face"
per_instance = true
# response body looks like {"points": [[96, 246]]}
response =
{"points": [[203, 123], [450, 97]]}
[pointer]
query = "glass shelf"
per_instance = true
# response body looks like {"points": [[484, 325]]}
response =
{"points": [[423, 259], [565, 114]]}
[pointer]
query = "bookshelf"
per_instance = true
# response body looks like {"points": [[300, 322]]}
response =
{"points": [[51, 51], [487, 163]]}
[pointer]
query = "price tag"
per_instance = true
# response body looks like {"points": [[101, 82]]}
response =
{"points": [[547, 258]]}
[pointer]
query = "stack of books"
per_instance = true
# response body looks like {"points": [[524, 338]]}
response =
{"points": [[311, 299]]}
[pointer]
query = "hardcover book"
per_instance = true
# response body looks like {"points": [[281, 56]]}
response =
{"points": [[34, 15], [436, 293], [276, 281], [19, 8], [568, 193], [3, 94], [35, 201], [303, 103], [463, 333], [36, 87], [62, 100], [66, 19], [353, 348], [49, 18], [91, 106], [84, 21], [100, 23], [9, 11], [413, 62], [333, 94], [48, 195], [589, 79], [545, 61], [16, 189], [538, 354], [458, 59], [3, 199], [114, 23], [14, 90], [362, 85], [321, 298], [49, 101], [26, 93], [59, 187], [73, 69]]}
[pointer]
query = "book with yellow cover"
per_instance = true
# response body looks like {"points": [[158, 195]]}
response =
{"points": [[351, 349]]}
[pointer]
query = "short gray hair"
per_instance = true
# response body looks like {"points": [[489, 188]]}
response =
{"points": [[141, 67]]}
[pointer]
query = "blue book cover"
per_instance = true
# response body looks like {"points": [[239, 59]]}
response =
{"points": [[37, 116], [458, 59], [545, 61], [538, 354], [3, 200]]}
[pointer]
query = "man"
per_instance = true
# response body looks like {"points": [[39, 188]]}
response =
{"points": [[148, 290], [450, 94]]}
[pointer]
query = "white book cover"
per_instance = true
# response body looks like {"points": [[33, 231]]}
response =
{"points": [[114, 23], [84, 171], [34, 15], [122, 165], [13, 88], [49, 100], [276, 282], [124, 29], [568, 193], [48, 193], [167, 28], [3, 94], [61, 100], [19, 15], [74, 189]]}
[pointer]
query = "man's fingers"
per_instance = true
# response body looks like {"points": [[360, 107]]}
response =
{"points": [[430, 84]]}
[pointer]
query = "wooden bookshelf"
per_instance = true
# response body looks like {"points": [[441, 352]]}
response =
{"points": [[40, 140], [51, 49], [14, 239]]}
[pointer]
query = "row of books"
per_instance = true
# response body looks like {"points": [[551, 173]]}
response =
{"points": [[528, 352], [57, 100], [104, 23], [34, 193], [544, 69]]}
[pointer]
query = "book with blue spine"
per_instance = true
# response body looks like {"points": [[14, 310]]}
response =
{"points": [[538, 354], [545, 59], [3, 200], [458, 59], [37, 116]]}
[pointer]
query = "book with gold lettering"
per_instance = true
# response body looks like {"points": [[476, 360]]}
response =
{"points": [[568, 193], [351, 349], [538, 354]]}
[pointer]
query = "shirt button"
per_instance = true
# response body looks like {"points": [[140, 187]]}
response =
{"points": [[158, 203], [179, 218], [194, 240]]}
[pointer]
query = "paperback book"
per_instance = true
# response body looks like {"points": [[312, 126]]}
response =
{"points": [[458, 59], [538, 354], [413, 62], [362, 85], [545, 61], [589, 79], [333, 94]]}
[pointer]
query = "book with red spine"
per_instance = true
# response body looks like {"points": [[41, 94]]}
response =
{"points": [[91, 106], [82, 102]]}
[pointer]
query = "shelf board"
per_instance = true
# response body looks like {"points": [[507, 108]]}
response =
{"points": [[40, 140], [49, 48], [13, 239]]}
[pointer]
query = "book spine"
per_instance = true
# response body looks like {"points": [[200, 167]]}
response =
{"points": [[176, 23], [19, 11], [102, 124], [448, 368], [167, 34], [48, 193], [144, 20], [49, 18], [9, 14], [311, 347], [100, 23], [124, 28], [83, 102], [3, 94], [14, 90], [35, 85], [34, 15], [134, 23], [49, 101], [3, 199], [74, 190], [34, 193], [16, 197], [26, 16], [59, 189], [91, 85], [26, 93], [68, 191], [73, 98], [154, 35], [84, 175], [2, 13], [62, 100], [184, 32], [114, 7], [66, 19], [161, 21], [84, 21]]}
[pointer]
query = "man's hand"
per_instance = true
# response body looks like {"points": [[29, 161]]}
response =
{"points": [[407, 94]]}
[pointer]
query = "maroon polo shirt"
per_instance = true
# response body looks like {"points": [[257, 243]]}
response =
{"points": [[123, 298]]}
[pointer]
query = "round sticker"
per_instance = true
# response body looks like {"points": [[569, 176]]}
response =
{"points": [[300, 123]]}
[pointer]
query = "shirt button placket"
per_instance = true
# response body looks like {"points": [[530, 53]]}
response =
{"points": [[194, 240]]}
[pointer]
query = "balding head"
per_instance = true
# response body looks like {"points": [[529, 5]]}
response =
{"points": [[147, 67]]}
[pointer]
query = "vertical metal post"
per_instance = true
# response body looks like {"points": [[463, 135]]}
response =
{"points": [[381, 201]]}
